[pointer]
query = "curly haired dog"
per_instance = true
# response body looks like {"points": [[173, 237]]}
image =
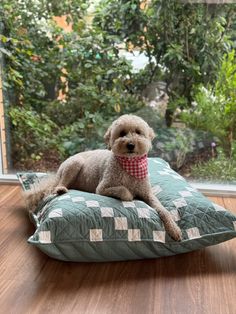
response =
{"points": [[120, 171]]}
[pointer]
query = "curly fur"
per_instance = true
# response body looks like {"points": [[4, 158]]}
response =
{"points": [[99, 171]]}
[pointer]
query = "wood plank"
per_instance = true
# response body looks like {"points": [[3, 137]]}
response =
{"points": [[198, 282], [230, 204]]}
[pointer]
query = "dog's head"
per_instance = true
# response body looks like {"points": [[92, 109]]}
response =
{"points": [[129, 136]]}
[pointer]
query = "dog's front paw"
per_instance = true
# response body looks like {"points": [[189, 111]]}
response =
{"points": [[126, 195], [59, 190], [175, 232]]}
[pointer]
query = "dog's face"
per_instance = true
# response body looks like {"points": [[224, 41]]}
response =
{"points": [[129, 136]]}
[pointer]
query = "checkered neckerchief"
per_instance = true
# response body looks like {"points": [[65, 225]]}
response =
{"points": [[134, 166]]}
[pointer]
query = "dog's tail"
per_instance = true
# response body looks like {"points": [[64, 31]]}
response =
{"points": [[39, 191]]}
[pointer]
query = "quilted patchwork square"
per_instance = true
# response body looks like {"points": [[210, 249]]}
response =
{"points": [[185, 193], [64, 197], [159, 236], [78, 199], [92, 203], [193, 233], [95, 235], [107, 212], [180, 202], [128, 204], [55, 213], [45, 237], [121, 223], [134, 235], [143, 212]]}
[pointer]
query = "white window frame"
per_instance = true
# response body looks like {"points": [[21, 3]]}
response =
{"points": [[208, 189], [5, 178]]}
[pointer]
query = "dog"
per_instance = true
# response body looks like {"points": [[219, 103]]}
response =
{"points": [[119, 171]]}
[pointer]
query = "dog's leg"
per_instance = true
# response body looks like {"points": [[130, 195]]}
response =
{"points": [[171, 227], [67, 174], [119, 192]]}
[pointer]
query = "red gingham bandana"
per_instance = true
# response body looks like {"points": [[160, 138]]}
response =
{"points": [[134, 166]]}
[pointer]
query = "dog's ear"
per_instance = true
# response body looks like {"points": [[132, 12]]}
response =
{"points": [[107, 137], [152, 134]]}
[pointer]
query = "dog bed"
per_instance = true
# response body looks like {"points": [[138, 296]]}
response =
{"points": [[85, 227]]}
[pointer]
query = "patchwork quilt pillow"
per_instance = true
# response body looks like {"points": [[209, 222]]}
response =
{"points": [[85, 227]]}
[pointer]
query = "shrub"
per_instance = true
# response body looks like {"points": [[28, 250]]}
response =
{"points": [[33, 135], [220, 169], [42, 60], [214, 107], [183, 41]]}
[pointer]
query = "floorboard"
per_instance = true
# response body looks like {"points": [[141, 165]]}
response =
{"points": [[201, 282]]}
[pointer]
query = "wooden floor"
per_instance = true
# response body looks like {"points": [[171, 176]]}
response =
{"points": [[201, 282]]}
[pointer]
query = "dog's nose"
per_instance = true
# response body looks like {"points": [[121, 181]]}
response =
{"points": [[130, 146]]}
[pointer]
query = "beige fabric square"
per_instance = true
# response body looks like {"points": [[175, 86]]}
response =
{"points": [[134, 235], [92, 203], [128, 204], [121, 223], [95, 235], [159, 236], [55, 213], [180, 202], [45, 237], [107, 212], [143, 212], [78, 199], [193, 233], [185, 193]]}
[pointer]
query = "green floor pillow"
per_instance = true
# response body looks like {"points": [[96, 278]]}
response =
{"points": [[85, 227]]}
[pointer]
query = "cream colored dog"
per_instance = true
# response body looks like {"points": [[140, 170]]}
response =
{"points": [[119, 172]]}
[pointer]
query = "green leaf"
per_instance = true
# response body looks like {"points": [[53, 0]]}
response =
{"points": [[5, 51], [88, 65], [4, 39]]}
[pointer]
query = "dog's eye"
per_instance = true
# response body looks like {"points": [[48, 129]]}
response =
{"points": [[138, 132], [122, 133]]}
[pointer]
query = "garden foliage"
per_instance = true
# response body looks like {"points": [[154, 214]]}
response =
{"points": [[43, 62], [214, 108], [184, 43], [64, 88]]}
